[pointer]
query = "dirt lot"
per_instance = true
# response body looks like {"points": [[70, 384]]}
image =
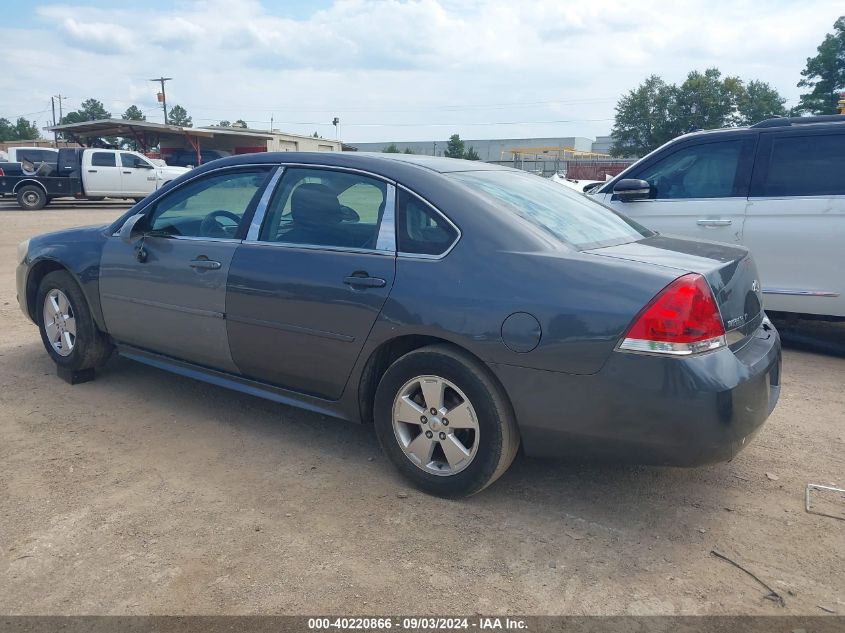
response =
{"points": [[144, 492]]}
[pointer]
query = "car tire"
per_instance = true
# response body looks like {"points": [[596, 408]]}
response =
{"points": [[85, 347], [487, 448], [31, 197]]}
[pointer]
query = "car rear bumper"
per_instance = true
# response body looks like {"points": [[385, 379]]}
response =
{"points": [[650, 409]]}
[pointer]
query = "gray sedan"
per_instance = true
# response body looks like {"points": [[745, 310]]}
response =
{"points": [[464, 309]]}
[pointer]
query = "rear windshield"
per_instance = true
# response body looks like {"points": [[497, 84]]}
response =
{"points": [[568, 215]]}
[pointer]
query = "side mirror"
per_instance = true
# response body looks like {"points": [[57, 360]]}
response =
{"points": [[128, 232], [630, 189]]}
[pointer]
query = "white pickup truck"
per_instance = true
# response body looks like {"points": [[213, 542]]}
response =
{"points": [[88, 174]]}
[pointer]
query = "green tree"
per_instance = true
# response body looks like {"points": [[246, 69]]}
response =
{"points": [[656, 112], [471, 154], [21, 130], [390, 149], [133, 113], [179, 116], [89, 110], [705, 101], [454, 147], [26, 130], [825, 74], [759, 102], [240, 123], [225, 123], [642, 118], [6, 130], [408, 150]]}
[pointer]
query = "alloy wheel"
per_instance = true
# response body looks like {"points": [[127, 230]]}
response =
{"points": [[59, 322], [436, 425]]}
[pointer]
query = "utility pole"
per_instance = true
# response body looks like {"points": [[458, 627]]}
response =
{"points": [[55, 134], [61, 116], [162, 98]]}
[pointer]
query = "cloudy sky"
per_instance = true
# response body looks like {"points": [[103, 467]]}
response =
{"points": [[390, 69]]}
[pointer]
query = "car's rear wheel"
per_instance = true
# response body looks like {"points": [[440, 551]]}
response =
{"points": [[31, 197], [444, 422], [68, 331]]}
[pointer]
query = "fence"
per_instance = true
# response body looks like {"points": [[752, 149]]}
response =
{"points": [[580, 169]]}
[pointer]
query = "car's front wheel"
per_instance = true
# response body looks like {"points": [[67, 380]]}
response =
{"points": [[444, 422], [68, 331]]}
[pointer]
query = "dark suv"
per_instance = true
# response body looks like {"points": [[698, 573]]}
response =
{"points": [[188, 158]]}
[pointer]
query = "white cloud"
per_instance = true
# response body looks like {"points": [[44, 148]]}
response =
{"points": [[383, 66]]}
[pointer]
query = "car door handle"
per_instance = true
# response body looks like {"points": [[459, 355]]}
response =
{"points": [[365, 282], [204, 264], [92, 171], [126, 171], [705, 222]]}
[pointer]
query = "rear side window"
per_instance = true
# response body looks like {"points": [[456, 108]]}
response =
{"points": [[325, 207], [37, 155], [707, 170], [805, 166], [564, 213], [103, 159], [420, 229]]}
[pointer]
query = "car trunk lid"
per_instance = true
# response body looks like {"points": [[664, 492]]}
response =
{"points": [[729, 270]]}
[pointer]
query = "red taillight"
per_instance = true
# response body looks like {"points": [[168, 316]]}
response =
{"points": [[2, 173], [683, 319]]}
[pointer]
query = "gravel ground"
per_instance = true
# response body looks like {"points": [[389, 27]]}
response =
{"points": [[144, 492]]}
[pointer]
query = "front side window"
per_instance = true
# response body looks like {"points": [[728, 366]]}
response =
{"points": [[131, 160], [419, 229], [707, 170], [806, 166], [566, 214], [322, 207], [103, 159], [212, 206]]}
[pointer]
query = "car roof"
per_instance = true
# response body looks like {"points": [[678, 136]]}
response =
{"points": [[776, 123], [375, 161]]}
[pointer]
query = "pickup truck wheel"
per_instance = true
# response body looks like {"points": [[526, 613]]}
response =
{"points": [[31, 198], [68, 331]]}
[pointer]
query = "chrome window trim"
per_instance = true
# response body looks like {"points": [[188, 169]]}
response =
{"points": [[195, 238], [353, 170], [320, 247], [261, 207], [385, 241], [800, 293], [437, 211], [811, 197]]}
